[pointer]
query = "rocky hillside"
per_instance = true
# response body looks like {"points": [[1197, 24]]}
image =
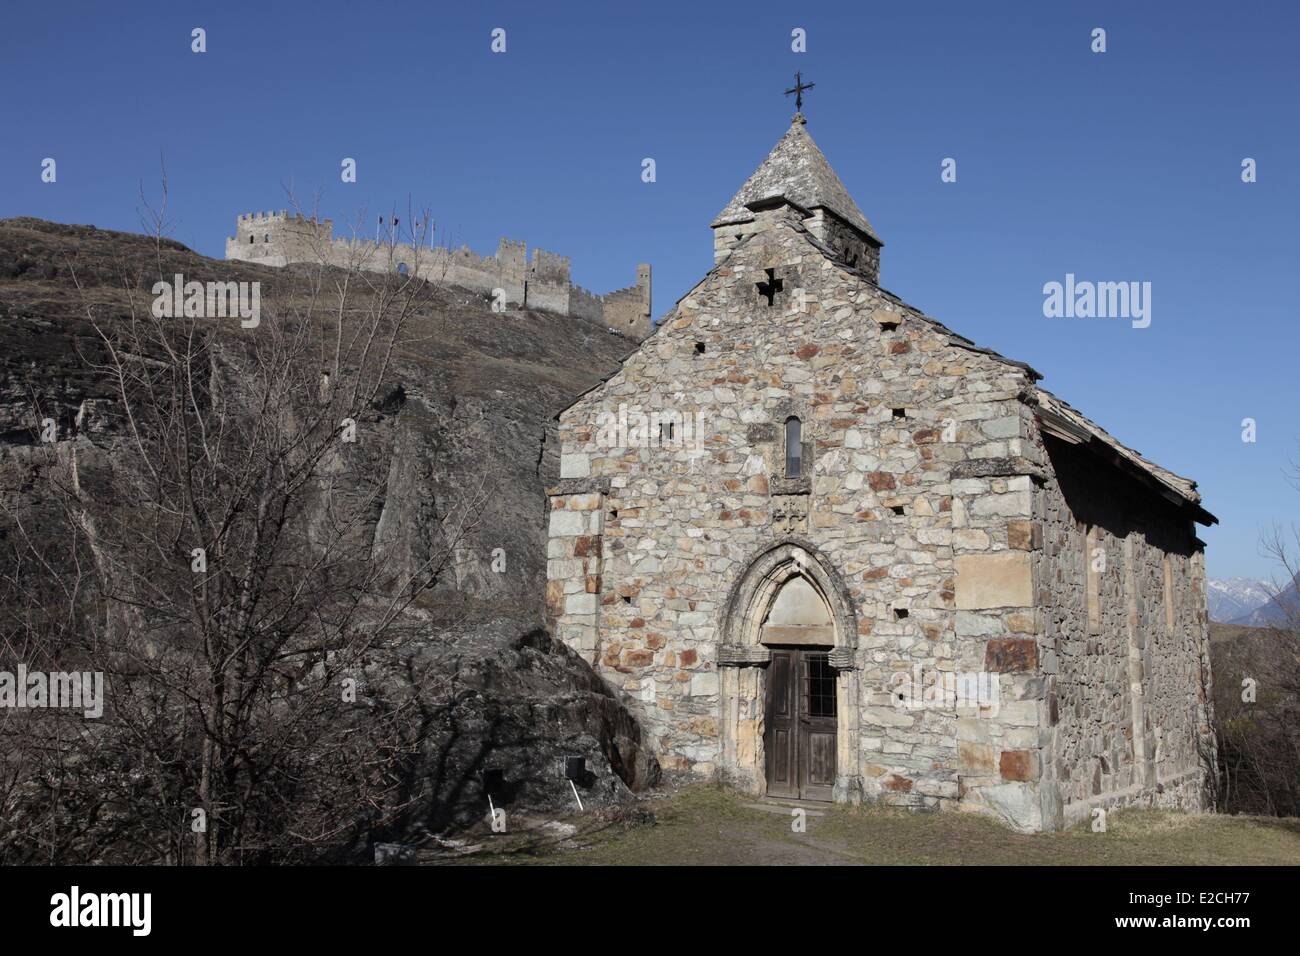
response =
{"points": [[468, 412], [471, 403]]}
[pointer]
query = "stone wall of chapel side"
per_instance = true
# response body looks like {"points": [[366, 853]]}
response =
{"points": [[573, 564], [676, 530], [1129, 695]]}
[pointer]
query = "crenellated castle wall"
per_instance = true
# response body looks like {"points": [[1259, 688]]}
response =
{"points": [[544, 282]]}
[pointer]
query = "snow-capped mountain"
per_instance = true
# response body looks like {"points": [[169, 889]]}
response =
{"points": [[1282, 609], [1234, 598]]}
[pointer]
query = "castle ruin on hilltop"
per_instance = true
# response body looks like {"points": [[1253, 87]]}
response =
{"points": [[279, 239]]}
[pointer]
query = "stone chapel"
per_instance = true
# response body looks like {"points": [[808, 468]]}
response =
{"points": [[826, 548]]}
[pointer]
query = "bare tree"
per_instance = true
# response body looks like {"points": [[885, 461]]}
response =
{"points": [[1258, 707], [215, 562]]}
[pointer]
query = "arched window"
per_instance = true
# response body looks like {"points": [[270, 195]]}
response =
{"points": [[250, 237], [793, 448], [266, 237], [402, 269]]}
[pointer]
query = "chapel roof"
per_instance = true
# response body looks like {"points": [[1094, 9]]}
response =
{"points": [[796, 171]]}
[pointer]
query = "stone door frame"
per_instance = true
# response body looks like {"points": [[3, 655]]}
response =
{"points": [[743, 659]]}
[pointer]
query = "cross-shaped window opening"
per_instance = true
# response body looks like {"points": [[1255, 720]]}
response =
{"points": [[771, 287]]}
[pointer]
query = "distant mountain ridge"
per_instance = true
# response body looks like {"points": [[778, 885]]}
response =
{"points": [[1282, 607], [1231, 598], [1253, 603]]}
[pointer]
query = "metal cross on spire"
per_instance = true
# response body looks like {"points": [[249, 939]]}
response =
{"points": [[797, 90]]}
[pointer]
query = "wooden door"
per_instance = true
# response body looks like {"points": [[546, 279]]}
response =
{"points": [[817, 720], [781, 738], [799, 739]]}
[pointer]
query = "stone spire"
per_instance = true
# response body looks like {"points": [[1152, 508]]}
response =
{"points": [[796, 172]]}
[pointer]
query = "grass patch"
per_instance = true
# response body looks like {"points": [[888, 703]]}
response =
{"points": [[710, 825]]}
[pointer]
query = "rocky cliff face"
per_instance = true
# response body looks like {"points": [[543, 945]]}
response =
{"points": [[468, 415], [469, 408]]}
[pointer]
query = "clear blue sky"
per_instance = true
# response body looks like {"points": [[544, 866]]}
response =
{"points": [[1116, 166]]}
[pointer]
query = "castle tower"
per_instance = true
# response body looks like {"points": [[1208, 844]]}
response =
{"points": [[628, 310], [278, 238], [796, 179], [643, 287]]}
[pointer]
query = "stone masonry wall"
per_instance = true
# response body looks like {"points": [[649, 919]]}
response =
{"points": [[1128, 679], [920, 498], [948, 534]]}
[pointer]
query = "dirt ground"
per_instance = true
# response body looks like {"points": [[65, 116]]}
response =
{"points": [[707, 825]]}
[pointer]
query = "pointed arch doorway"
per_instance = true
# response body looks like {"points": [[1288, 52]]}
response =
{"points": [[789, 689], [800, 701]]}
